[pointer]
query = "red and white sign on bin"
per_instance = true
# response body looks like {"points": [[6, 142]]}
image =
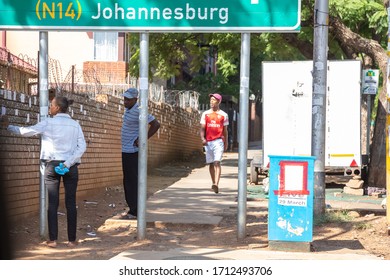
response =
{"points": [[292, 183]]}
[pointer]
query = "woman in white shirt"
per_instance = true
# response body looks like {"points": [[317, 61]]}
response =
{"points": [[62, 145]]}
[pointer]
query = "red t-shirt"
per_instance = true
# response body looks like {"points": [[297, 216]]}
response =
{"points": [[214, 122]]}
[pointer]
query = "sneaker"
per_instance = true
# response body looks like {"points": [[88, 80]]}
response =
{"points": [[214, 188], [124, 213], [128, 216]]}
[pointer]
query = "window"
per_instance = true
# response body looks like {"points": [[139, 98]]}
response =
{"points": [[105, 46]]}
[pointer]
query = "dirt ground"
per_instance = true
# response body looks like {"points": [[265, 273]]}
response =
{"points": [[99, 240]]}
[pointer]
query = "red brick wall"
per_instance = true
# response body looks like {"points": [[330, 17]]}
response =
{"points": [[106, 71], [178, 138]]}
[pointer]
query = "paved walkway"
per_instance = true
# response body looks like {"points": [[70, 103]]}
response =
{"points": [[190, 200]]}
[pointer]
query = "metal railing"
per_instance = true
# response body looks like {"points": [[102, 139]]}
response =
{"points": [[14, 61], [182, 98]]}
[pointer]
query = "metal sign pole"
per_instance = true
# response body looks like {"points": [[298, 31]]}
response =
{"points": [[320, 68], [143, 135], [243, 134], [43, 113], [368, 125]]}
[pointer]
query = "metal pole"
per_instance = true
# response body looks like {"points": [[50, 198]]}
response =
{"points": [[243, 135], [368, 125], [73, 73], [143, 135], [320, 56], [43, 113]]}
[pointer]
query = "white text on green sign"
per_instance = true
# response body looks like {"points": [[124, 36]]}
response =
{"points": [[149, 15]]}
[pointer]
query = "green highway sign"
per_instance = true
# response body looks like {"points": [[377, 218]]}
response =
{"points": [[152, 15]]}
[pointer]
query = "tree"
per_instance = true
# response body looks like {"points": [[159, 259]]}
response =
{"points": [[184, 55], [357, 30]]}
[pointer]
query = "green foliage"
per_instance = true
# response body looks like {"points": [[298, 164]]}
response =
{"points": [[366, 17], [333, 217], [362, 226], [171, 54], [207, 83], [274, 48]]}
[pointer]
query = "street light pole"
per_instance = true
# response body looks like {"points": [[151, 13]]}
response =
{"points": [[320, 68]]}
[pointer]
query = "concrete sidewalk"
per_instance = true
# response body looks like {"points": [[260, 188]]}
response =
{"points": [[190, 201]]}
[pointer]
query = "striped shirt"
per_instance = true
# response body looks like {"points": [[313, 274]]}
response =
{"points": [[130, 128]]}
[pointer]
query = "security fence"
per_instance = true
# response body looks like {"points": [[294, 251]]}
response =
{"points": [[176, 98], [20, 74]]}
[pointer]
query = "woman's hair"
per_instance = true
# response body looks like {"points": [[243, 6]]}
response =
{"points": [[63, 103]]}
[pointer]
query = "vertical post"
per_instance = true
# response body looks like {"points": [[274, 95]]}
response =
{"points": [[73, 73], [143, 135], [243, 134], [252, 118], [320, 67], [388, 126], [8, 80], [368, 125], [43, 113]]}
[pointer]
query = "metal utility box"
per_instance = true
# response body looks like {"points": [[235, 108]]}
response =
{"points": [[291, 199], [287, 112]]}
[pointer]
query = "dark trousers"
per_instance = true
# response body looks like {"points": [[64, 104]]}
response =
{"points": [[130, 180], [52, 183]]}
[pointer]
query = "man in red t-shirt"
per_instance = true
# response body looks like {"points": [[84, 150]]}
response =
{"points": [[214, 137]]}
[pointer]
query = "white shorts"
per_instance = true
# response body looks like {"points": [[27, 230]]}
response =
{"points": [[214, 150]]}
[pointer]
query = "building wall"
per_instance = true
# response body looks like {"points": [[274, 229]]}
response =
{"points": [[16, 73], [69, 48], [107, 71], [178, 138]]}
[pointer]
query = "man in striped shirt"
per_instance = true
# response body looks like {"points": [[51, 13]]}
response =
{"points": [[130, 133]]}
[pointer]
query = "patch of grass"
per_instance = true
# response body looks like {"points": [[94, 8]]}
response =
{"points": [[362, 226], [332, 217]]}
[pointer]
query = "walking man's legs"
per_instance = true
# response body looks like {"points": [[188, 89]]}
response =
{"points": [[214, 151]]}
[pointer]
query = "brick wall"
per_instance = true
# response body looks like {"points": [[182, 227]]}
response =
{"points": [[105, 71], [178, 138]]}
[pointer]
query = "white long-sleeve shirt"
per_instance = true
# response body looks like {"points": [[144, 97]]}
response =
{"points": [[62, 138]]}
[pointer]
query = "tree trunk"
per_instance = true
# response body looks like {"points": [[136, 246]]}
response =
{"points": [[354, 42]]}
